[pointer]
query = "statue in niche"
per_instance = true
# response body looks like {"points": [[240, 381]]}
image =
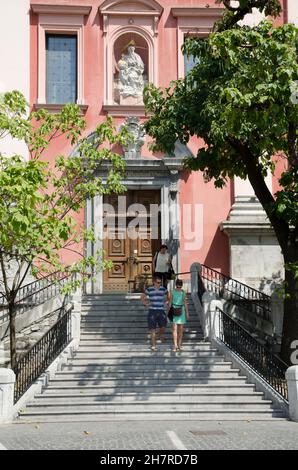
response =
{"points": [[131, 80]]}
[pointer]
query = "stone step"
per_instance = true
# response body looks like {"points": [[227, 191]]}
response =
{"points": [[88, 346], [128, 321], [153, 395], [144, 406], [132, 309], [113, 330], [136, 326], [115, 376], [151, 357], [53, 400], [177, 377], [157, 388], [115, 336], [131, 365], [134, 345], [141, 341], [195, 355], [129, 369], [149, 379], [228, 415], [148, 382]]}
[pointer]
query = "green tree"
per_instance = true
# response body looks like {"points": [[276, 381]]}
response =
{"points": [[234, 12], [38, 201], [241, 98]]}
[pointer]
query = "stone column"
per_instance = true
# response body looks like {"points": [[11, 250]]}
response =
{"points": [[98, 245], [292, 379], [7, 381], [89, 244]]}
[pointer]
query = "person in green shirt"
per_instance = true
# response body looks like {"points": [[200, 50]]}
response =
{"points": [[178, 300]]}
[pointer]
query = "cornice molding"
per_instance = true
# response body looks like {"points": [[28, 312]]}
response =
{"points": [[196, 12], [145, 7], [56, 108], [61, 9]]}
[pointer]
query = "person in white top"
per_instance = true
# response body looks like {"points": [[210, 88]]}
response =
{"points": [[161, 264]]}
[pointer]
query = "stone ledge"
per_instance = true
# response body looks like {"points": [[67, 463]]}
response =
{"points": [[61, 9], [56, 108], [124, 110]]}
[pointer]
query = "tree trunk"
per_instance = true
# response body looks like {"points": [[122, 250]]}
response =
{"points": [[12, 333], [290, 323]]}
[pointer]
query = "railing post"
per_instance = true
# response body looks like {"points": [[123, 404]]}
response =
{"points": [[195, 270], [211, 316], [7, 381], [292, 379], [76, 300], [277, 315]]}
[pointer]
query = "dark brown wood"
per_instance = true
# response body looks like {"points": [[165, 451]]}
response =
{"points": [[131, 241]]}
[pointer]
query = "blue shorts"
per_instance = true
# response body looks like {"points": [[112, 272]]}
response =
{"points": [[156, 318]]}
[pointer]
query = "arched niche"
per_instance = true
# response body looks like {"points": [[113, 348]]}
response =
{"points": [[124, 20], [120, 51]]}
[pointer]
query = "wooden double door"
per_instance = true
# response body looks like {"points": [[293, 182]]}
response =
{"points": [[131, 239]]}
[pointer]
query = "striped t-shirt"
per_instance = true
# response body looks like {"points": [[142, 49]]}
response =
{"points": [[156, 297]]}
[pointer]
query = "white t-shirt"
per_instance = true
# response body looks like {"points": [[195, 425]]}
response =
{"points": [[161, 263]]}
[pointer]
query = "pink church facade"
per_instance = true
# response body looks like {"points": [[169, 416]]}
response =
{"points": [[222, 228]]}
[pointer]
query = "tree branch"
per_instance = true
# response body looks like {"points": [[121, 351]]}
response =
{"points": [[5, 282], [292, 137], [262, 192]]}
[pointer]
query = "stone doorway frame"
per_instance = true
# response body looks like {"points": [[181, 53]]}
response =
{"points": [[163, 175]]}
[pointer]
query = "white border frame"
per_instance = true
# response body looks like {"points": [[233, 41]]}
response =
{"points": [[60, 24]]}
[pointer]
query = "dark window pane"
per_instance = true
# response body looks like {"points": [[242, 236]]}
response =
{"points": [[61, 60]]}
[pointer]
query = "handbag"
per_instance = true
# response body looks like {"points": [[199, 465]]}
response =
{"points": [[171, 273], [170, 314], [175, 311]]}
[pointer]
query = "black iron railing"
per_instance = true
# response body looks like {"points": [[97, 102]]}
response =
{"points": [[240, 294], [30, 366], [35, 293], [268, 366]]}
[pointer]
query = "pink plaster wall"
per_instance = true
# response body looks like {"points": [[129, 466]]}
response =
{"points": [[216, 203]]}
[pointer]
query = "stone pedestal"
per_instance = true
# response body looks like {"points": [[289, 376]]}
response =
{"points": [[211, 326], [131, 100], [292, 379], [7, 381], [255, 255]]}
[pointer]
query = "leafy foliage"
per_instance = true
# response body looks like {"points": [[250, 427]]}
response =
{"points": [[234, 12], [38, 201], [238, 99], [241, 99]]}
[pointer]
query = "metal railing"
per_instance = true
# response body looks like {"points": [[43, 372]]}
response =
{"points": [[268, 366], [35, 293], [240, 294], [34, 362]]}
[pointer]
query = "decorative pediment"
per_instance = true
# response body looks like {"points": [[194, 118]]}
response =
{"points": [[124, 7]]}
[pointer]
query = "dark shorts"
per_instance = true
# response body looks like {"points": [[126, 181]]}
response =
{"points": [[156, 318]]}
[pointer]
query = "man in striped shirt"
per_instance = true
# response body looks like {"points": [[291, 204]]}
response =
{"points": [[155, 297]]}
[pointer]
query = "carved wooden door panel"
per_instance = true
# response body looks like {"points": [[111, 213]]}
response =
{"points": [[132, 242]]}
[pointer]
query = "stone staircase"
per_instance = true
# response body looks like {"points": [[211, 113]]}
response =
{"points": [[115, 376]]}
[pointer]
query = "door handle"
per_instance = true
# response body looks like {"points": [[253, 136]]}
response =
{"points": [[133, 259]]}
